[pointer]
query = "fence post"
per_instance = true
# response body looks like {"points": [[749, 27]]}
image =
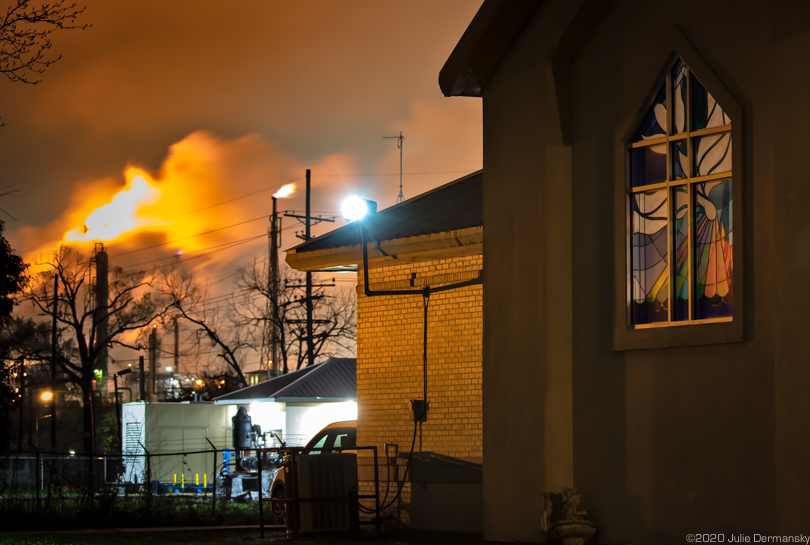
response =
{"points": [[261, 499], [38, 481], [14, 470], [90, 493], [213, 479], [147, 482]]}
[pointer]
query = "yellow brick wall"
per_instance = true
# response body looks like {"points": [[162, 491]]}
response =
{"points": [[390, 370]]}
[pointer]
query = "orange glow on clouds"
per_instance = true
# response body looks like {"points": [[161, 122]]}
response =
{"points": [[123, 214]]}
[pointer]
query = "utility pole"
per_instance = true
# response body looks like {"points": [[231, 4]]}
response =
{"points": [[176, 345], [22, 404], [141, 380], [275, 363], [53, 359], [399, 140], [307, 236], [307, 219], [101, 315], [153, 364]]}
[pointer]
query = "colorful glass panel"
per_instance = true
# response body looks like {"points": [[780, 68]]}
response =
{"points": [[648, 165], [680, 252], [712, 154], [707, 112], [679, 98], [650, 300], [714, 280], [679, 160], [655, 120], [681, 234]]}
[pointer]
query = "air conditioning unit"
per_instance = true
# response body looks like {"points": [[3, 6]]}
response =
{"points": [[327, 490]]}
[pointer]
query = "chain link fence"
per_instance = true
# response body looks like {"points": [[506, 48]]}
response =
{"points": [[198, 474]]}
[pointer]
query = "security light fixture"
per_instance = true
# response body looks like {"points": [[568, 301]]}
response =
{"points": [[357, 208]]}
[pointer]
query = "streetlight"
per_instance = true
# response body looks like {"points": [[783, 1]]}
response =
{"points": [[120, 373]]}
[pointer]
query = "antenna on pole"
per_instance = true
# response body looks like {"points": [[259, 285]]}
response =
{"points": [[399, 140]]}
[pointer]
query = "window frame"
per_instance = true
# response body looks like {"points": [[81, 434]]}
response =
{"points": [[695, 331]]}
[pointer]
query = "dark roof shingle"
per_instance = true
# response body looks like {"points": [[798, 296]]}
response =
{"points": [[333, 379], [455, 205]]}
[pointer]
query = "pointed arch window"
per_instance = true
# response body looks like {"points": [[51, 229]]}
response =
{"points": [[679, 183]]}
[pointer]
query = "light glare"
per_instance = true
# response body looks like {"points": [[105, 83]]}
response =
{"points": [[354, 208]]}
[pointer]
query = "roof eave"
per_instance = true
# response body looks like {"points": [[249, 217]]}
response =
{"points": [[246, 401], [458, 242], [484, 44], [294, 400]]}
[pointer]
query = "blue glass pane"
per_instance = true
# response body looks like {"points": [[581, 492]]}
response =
{"points": [[680, 252], [712, 154], [679, 97], [713, 250], [679, 160], [655, 119], [706, 112], [648, 165], [650, 268]]}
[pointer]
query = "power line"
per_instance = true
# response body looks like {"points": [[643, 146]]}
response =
{"points": [[188, 237], [220, 247]]}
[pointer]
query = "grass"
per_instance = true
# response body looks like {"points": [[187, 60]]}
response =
{"points": [[118, 512]]}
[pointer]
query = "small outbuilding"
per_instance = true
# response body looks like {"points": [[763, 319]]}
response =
{"points": [[418, 347]]}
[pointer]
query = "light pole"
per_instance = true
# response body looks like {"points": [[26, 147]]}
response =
{"points": [[120, 373]]}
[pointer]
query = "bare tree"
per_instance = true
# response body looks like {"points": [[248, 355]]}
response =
{"points": [[25, 37], [21, 340], [213, 324], [131, 306], [13, 276], [335, 311]]}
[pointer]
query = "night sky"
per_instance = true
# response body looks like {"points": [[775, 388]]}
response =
{"points": [[209, 107]]}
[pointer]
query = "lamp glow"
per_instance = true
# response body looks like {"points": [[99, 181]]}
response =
{"points": [[355, 208], [46, 396]]}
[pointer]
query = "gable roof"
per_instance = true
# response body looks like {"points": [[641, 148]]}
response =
{"points": [[484, 44], [332, 380], [447, 217]]}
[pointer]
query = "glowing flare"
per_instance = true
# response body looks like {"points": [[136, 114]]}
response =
{"points": [[285, 191], [121, 214]]}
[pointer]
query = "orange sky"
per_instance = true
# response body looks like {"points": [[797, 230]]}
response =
{"points": [[217, 105]]}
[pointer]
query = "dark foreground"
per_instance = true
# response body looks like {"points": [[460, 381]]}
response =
{"points": [[220, 536]]}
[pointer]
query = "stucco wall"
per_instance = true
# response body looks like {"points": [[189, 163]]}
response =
{"points": [[390, 374], [664, 442]]}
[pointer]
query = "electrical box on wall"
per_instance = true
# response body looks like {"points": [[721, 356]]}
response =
{"points": [[420, 409]]}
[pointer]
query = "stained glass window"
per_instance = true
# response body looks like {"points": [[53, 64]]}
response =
{"points": [[679, 184]]}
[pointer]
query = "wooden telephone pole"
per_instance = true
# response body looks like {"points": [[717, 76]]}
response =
{"points": [[307, 220]]}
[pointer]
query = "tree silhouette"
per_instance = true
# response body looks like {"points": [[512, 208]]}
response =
{"points": [[13, 276], [131, 306], [25, 37]]}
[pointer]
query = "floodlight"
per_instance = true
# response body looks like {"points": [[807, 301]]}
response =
{"points": [[356, 208]]}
